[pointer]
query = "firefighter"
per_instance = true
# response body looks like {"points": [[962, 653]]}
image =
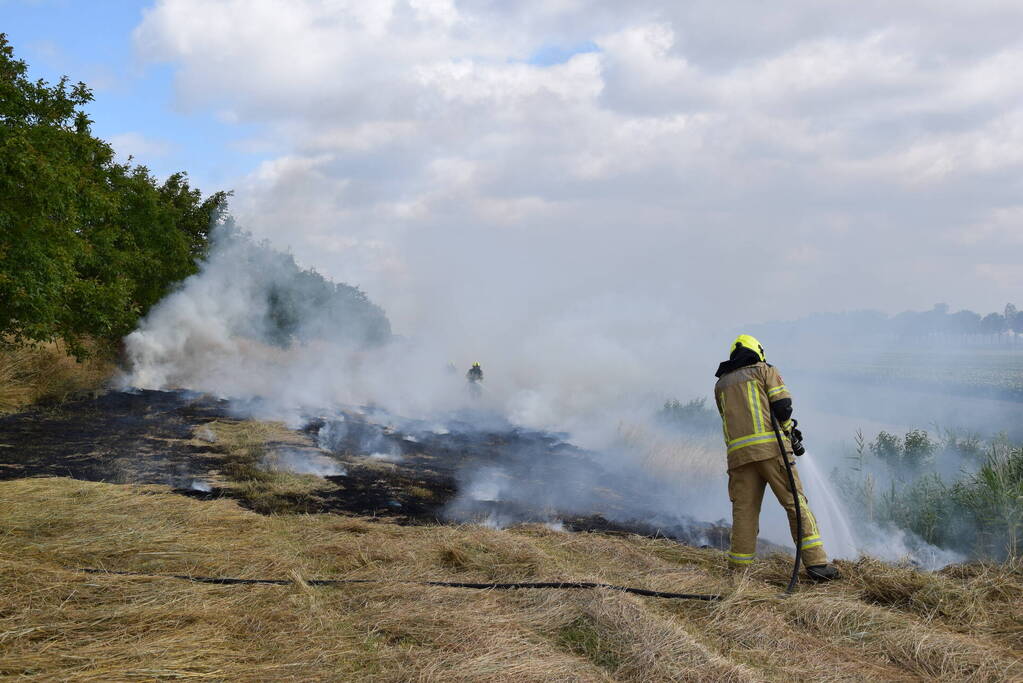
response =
{"points": [[746, 389], [475, 376]]}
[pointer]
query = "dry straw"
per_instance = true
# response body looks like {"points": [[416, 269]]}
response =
{"points": [[882, 623], [46, 373]]}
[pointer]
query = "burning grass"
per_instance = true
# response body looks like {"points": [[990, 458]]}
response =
{"points": [[45, 373], [886, 623]]}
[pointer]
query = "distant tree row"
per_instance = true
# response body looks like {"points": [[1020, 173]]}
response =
{"points": [[936, 324], [693, 416], [87, 244], [938, 320]]}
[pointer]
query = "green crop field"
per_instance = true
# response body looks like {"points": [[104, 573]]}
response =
{"points": [[977, 371]]}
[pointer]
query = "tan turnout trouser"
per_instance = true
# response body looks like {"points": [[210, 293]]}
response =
{"points": [[746, 491]]}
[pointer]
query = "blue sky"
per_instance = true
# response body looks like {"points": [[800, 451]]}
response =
{"points": [[550, 54], [92, 42]]}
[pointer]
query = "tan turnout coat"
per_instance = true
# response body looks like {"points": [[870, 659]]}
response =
{"points": [[743, 398]]}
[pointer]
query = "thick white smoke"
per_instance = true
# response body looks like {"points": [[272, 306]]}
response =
{"points": [[583, 367], [596, 368]]}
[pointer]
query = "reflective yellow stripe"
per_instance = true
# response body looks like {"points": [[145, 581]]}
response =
{"points": [[753, 398], [739, 558], [752, 439], [760, 410], [734, 554], [776, 390], [810, 542], [757, 435], [787, 424], [809, 522], [724, 420], [750, 394]]}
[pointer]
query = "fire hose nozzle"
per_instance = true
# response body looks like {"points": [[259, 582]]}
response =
{"points": [[796, 439]]}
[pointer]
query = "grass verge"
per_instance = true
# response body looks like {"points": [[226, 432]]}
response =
{"points": [[45, 373], [881, 623]]}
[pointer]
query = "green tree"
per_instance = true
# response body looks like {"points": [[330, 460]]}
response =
{"points": [[887, 448], [691, 416], [1016, 323], [993, 324], [965, 322], [87, 245], [917, 450], [292, 305]]}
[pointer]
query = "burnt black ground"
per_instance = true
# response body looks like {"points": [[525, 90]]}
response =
{"points": [[526, 476], [427, 475], [117, 437]]}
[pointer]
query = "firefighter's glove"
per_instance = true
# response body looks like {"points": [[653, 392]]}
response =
{"points": [[796, 439]]}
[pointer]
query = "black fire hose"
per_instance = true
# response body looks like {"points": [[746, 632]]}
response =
{"points": [[795, 498], [232, 581]]}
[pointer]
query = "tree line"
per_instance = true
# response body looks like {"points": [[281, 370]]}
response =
{"points": [[937, 324], [939, 320]]}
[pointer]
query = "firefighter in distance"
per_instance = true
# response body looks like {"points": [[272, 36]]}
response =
{"points": [[474, 377]]}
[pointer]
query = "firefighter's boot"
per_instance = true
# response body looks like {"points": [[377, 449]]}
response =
{"points": [[823, 572]]}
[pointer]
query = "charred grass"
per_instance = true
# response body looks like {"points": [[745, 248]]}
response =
{"points": [[881, 623], [247, 451]]}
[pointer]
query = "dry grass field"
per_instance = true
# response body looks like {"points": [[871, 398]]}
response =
{"points": [[59, 623], [45, 373], [56, 623]]}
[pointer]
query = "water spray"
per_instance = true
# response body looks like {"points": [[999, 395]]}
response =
{"points": [[832, 518]]}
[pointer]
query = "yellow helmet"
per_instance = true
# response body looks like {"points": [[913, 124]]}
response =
{"points": [[750, 342], [476, 364]]}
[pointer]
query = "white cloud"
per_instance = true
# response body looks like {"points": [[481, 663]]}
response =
{"points": [[469, 83], [821, 67], [813, 149]]}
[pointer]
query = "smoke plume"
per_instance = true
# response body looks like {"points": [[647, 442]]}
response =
{"points": [[284, 343]]}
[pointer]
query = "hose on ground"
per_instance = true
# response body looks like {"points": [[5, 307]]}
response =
{"points": [[233, 581]]}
